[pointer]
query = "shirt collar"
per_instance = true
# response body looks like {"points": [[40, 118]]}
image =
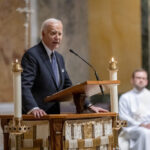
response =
{"points": [[137, 91], [48, 50]]}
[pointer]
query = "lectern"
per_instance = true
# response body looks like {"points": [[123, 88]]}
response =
{"points": [[78, 131], [80, 92]]}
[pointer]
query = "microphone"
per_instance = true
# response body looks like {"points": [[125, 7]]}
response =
{"points": [[96, 75]]}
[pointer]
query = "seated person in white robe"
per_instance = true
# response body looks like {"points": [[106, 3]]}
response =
{"points": [[134, 107]]}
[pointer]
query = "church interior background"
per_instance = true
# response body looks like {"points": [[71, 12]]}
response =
{"points": [[96, 30]]}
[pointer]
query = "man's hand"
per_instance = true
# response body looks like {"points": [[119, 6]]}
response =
{"points": [[38, 113], [97, 109]]}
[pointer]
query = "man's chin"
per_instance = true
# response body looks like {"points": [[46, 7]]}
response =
{"points": [[55, 46], [140, 88]]}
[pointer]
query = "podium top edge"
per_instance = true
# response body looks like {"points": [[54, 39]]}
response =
{"points": [[101, 82], [62, 116]]}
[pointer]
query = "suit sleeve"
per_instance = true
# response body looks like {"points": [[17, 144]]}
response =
{"points": [[67, 82], [87, 102], [29, 66]]}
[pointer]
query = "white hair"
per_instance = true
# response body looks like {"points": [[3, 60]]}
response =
{"points": [[47, 21]]}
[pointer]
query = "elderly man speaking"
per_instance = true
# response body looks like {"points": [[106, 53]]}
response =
{"points": [[44, 72]]}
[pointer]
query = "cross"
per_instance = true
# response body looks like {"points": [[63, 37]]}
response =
{"points": [[27, 10]]}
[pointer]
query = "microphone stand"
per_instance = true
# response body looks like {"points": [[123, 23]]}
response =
{"points": [[96, 75]]}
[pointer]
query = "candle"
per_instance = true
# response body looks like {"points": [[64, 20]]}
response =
{"points": [[113, 88], [17, 94]]}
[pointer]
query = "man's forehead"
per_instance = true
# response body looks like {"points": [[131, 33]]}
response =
{"points": [[56, 23], [140, 73], [54, 26]]}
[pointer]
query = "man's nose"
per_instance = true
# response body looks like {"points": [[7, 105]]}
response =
{"points": [[141, 80], [57, 36]]}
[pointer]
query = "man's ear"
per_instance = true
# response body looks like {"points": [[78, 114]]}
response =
{"points": [[43, 33], [146, 82]]}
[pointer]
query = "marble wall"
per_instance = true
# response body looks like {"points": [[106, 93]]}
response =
{"points": [[98, 30], [95, 29], [12, 37], [11, 43], [115, 30], [75, 20]]}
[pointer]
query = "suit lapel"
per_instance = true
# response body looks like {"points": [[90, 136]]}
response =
{"points": [[47, 63]]}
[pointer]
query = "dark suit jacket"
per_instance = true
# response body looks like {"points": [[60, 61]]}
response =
{"points": [[38, 80]]}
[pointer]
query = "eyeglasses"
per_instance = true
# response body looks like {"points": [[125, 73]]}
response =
{"points": [[143, 78]]}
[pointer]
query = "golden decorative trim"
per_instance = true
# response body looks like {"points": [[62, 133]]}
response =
{"points": [[96, 142], [16, 67], [16, 127], [113, 64], [87, 129], [117, 125]]}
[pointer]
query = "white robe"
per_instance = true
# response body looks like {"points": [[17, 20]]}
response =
{"points": [[134, 107]]}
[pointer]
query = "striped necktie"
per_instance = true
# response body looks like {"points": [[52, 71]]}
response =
{"points": [[55, 67]]}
